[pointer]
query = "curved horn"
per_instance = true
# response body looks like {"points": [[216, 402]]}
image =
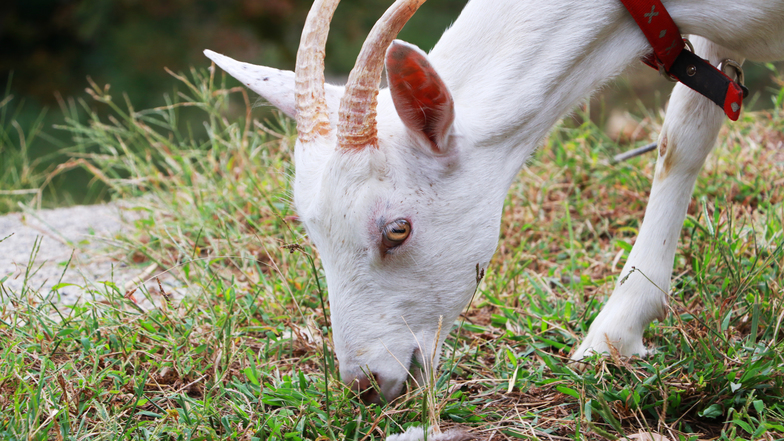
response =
{"points": [[311, 104], [357, 118]]}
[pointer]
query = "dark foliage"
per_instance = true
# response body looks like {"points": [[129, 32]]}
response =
{"points": [[52, 45]]}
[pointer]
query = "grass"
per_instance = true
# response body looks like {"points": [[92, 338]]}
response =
{"points": [[21, 179], [247, 354], [36, 170]]}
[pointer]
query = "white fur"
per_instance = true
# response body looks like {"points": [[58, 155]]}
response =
{"points": [[514, 67]]}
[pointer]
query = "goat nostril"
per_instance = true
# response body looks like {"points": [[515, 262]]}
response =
{"points": [[370, 396], [361, 384], [367, 388]]}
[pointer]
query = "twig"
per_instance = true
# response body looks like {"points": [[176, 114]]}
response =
{"points": [[632, 153]]}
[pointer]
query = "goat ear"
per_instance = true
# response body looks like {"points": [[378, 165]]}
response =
{"points": [[274, 85], [421, 98]]}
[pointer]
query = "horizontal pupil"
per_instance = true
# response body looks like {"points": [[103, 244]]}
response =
{"points": [[397, 231]]}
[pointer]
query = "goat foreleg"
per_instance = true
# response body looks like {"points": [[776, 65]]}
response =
{"points": [[688, 135]]}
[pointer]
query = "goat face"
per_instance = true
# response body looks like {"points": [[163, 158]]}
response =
{"points": [[400, 242], [399, 238], [387, 201]]}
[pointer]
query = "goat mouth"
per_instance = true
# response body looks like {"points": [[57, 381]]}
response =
{"points": [[371, 387], [415, 377]]}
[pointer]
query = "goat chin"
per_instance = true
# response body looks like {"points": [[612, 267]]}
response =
{"points": [[418, 434]]}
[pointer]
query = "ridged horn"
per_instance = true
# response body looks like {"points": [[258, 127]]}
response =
{"points": [[311, 103], [357, 115]]}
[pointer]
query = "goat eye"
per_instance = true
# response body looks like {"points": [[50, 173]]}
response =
{"points": [[395, 233]]}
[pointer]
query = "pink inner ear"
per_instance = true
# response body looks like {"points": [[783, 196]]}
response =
{"points": [[421, 98]]}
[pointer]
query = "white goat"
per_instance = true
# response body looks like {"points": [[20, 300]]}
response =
{"points": [[403, 207]]}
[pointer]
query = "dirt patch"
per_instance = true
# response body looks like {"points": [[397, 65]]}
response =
{"points": [[74, 251]]}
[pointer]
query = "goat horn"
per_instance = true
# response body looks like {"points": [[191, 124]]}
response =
{"points": [[357, 117], [311, 103]]}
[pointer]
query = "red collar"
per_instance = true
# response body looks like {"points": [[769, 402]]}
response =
{"points": [[670, 57]]}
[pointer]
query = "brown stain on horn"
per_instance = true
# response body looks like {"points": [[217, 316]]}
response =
{"points": [[357, 115], [311, 102]]}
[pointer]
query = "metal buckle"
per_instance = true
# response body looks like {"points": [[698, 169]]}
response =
{"points": [[739, 76], [666, 76], [689, 46]]}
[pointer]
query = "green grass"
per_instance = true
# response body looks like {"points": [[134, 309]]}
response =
{"points": [[248, 356], [35, 159], [21, 179]]}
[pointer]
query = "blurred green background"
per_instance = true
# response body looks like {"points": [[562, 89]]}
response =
{"points": [[48, 48], [52, 45]]}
